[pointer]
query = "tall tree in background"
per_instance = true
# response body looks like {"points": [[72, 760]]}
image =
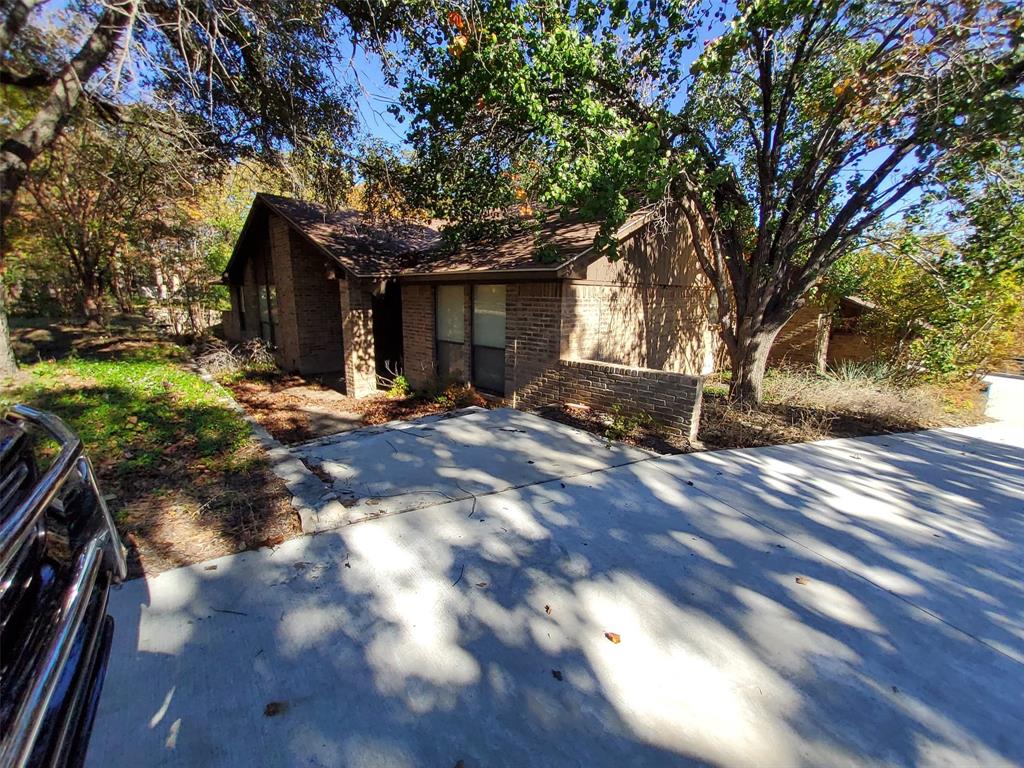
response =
{"points": [[784, 134], [243, 76], [101, 195]]}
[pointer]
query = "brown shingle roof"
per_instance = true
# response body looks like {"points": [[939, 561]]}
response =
{"points": [[353, 239], [367, 248], [559, 238]]}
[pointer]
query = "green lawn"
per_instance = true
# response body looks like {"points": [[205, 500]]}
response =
{"points": [[139, 410], [184, 477]]}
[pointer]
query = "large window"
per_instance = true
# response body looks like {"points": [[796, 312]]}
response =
{"points": [[268, 311], [450, 325], [489, 338]]}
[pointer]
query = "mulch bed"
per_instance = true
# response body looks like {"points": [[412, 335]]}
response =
{"points": [[281, 403], [597, 422]]}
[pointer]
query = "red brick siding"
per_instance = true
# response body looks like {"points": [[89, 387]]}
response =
{"points": [[418, 334], [287, 332], [650, 308], [672, 399], [315, 308], [650, 326], [850, 346], [308, 334], [532, 339]]}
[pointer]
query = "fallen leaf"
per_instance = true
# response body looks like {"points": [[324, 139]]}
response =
{"points": [[275, 708], [801, 580], [547, 609], [481, 584], [556, 673], [614, 637], [133, 419], [210, 568]]}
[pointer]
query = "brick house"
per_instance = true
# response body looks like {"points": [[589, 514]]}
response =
{"points": [[820, 337], [535, 318]]}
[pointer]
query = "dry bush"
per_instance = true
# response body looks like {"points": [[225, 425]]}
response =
{"points": [[800, 406], [220, 358]]}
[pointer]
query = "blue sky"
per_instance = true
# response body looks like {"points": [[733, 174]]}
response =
{"points": [[374, 97]]}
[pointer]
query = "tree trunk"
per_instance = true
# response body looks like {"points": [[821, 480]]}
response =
{"points": [[66, 91], [749, 358], [92, 302], [8, 365]]}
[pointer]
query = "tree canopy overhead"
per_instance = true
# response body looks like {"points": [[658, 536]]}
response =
{"points": [[239, 76], [787, 130]]}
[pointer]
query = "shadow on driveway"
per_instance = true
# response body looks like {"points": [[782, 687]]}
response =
{"points": [[847, 602]]}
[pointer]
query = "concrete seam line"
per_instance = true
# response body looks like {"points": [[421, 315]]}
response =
{"points": [[861, 576], [488, 493]]}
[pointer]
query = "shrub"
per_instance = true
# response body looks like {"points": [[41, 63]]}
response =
{"points": [[223, 360], [399, 387], [623, 425]]}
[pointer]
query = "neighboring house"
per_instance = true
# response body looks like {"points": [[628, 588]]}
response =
{"points": [[535, 318], [822, 338]]}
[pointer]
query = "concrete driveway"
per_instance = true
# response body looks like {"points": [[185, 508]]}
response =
{"points": [[839, 603]]}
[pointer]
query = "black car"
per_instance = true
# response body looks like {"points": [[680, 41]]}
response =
{"points": [[59, 556]]}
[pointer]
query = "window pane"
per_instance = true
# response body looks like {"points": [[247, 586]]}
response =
{"points": [[449, 361], [450, 313], [489, 369], [489, 315], [264, 307]]}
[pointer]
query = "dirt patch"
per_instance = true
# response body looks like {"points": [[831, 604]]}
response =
{"points": [[211, 517], [294, 408], [601, 424]]}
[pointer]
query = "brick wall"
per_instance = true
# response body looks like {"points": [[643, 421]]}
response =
{"points": [[672, 399], [650, 308], [286, 333], [309, 327], [418, 334], [315, 307], [356, 306], [650, 326], [533, 314], [803, 340], [849, 345]]}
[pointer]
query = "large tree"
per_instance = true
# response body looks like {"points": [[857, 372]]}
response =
{"points": [[782, 133], [241, 76], [99, 198]]}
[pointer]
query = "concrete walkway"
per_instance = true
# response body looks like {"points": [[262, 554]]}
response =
{"points": [[849, 602]]}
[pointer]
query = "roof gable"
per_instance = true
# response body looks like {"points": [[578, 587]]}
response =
{"points": [[364, 247], [350, 238]]}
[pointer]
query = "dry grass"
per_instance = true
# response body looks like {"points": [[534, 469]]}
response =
{"points": [[800, 406]]}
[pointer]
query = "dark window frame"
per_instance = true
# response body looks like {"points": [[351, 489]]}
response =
{"points": [[473, 345], [240, 299], [437, 340]]}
